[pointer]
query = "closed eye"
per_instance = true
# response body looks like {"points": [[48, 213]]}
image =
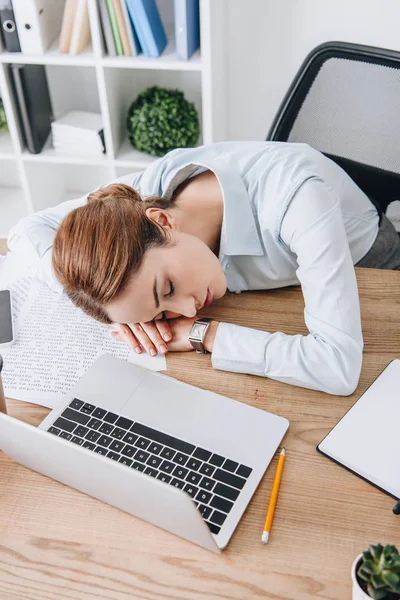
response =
{"points": [[171, 291]]}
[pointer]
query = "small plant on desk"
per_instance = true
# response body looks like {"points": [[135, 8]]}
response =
{"points": [[376, 574]]}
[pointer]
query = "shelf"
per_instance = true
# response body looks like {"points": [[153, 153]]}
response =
{"points": [[52, 56], [6, 147], [12, 207], [127, 156], [49, 155]]}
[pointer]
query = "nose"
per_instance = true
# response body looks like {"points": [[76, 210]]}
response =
{"points": [[187, 308]]}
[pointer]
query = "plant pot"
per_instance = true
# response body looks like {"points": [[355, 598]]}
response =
{"points": [[358, 592]]}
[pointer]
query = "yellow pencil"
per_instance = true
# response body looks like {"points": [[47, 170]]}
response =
{"points": [[274, 497]]}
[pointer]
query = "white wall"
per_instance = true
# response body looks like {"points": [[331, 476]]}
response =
{"points": [[282, 33]]}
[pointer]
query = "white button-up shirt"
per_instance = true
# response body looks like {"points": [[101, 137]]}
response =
{"points": [[291, 216]]}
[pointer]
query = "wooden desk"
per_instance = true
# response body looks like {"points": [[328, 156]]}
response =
{"points": [[56, 543]]}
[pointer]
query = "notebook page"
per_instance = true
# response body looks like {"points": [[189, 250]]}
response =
{"points": [[55, 344], [367, 440]]}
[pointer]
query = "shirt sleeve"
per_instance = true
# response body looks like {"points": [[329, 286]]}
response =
{"points": [[329, 358], [32, 238]]}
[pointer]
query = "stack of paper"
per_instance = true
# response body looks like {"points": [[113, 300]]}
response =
{"points": [[80, 133]]}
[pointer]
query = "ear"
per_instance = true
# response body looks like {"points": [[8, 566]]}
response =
{"points": [[162, 217]]}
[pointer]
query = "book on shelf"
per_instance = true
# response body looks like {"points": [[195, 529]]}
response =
{"points": [[33, 102], [187, 27], [8, 27], [120, 37], [114, 28], [38, 23], [75, 27], [133, 39], [79, 133], [148, 25], [108, 38]]}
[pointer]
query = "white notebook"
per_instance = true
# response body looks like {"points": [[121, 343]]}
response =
{"points": [[367, 439]]}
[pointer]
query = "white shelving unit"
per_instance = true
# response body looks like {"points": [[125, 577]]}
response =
{"points": [[96, 82]]}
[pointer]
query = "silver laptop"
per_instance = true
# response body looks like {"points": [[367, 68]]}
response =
{"points": [[182, 458]]}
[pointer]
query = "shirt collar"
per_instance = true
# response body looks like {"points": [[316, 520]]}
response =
{"points": [[239, 234]]}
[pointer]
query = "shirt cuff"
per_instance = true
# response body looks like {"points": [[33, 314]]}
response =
{"points": [[240, 350]]}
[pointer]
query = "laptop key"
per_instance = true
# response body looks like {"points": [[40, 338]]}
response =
{"points": [[138, 466], [74, 415], [129, 451], [168, 453], [116, 446], [216, 460], [142, 443], [218, 517], [154, 461], [150, 471], [167, 466], [205, 511], [76, 403], [221, 504], [65, 435], [118, 433], [93, 436], [110, 417], [202, 454], [101, 450], [94, 423], [64, 424], [81, 430], [180, 472], [230, 465], [229, 478], [155, 448], [177, 483], [163, 438], [193, 464], [180, 459], [204, 497], [213, 528], [226, 491], [193, 477], [113, 455], [106, 428], [142, 456], [89, 445], [87, 408], [104, 440], [99, 413], [124, 423], [207, 469], [243, 471], [54, 430], [207, 484], [164, 477], [129, 438], [77, 440], [125, 461], [191, 489]]}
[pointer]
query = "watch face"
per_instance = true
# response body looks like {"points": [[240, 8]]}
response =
{"points": [[197, 330]]}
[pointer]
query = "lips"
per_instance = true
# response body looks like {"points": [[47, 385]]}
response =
{"points": [[209, 298]]}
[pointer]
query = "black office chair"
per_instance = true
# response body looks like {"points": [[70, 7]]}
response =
{"points": [[345, 102]]}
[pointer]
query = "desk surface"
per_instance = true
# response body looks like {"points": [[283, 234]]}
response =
{"points": [[57, 543]]}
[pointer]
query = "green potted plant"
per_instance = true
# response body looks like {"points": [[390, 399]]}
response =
{"points": [[3, 120], [376, 574], [160, 120]]}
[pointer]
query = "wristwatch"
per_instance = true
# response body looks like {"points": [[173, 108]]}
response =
{"points": [[198, 333]]}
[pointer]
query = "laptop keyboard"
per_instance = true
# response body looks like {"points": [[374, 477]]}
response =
{"points": [[213, 481]]}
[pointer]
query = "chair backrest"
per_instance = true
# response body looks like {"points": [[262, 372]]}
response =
{"points": [[345, 102]]}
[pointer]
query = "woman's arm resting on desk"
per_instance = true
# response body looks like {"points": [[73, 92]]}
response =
{"points": [[330, 357]]}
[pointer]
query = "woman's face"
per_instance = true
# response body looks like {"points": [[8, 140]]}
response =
{"points": [[175, 280]]}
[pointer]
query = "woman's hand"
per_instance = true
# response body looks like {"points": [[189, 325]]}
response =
{"points": [[151, 336]]}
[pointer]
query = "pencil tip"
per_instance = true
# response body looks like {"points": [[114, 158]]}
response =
{"points": [[264, 537], [283, 451]]}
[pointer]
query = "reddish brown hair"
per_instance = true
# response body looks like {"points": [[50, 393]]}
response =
{"points": [[101, 245]]}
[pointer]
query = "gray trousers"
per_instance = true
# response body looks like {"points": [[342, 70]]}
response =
{"points": [[385, 251]]}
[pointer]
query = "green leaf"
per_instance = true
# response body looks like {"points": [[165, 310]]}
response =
{"points": [[376, 551], [391, 579]]}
